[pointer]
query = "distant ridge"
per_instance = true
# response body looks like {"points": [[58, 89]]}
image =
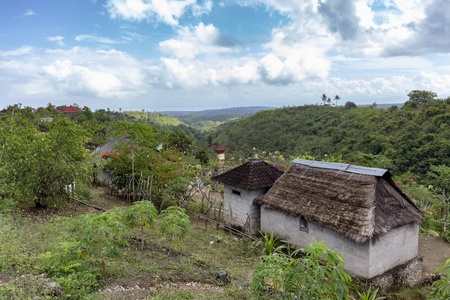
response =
{"points": [[224, 111]]}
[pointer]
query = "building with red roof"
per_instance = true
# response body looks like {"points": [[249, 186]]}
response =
{"points": [[71, 110]]}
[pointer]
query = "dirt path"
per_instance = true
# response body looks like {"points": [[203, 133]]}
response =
{"points": [[434, 251]]}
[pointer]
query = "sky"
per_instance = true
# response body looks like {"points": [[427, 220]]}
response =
{"points": [[202, 54]]}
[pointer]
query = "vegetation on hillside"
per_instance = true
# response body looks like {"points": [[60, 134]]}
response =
{"points": [[44, 155], [413, 137]]}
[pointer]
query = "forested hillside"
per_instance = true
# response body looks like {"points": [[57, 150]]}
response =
{"points": [[414, 136], [209, 119]]}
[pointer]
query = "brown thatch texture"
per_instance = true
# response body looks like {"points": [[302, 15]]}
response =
{"points": [[345, 202], [253, 175]]}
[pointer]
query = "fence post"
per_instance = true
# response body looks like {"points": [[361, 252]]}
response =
{"points": [[218, 217]]}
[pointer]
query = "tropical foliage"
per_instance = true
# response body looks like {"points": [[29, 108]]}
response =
{"points": [[319, 274]]}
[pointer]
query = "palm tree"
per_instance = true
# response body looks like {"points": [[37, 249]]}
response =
{"points": [[324, 98], [336, 98]]}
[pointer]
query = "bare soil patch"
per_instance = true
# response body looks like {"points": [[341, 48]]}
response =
{"points": [[434, 250]]}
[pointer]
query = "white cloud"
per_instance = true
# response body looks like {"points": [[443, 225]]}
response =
{"points": [[193, 41], [18, 52], [96, 39], [77, 71], [167, 11], [29, 13], [58, 39], [202, 9]]}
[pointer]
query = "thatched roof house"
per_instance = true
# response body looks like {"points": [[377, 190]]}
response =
{"points": [[241, 186], [357, 211], [358, 202]]}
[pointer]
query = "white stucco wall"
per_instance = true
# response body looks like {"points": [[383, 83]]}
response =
{"points": [[398, 246], [363, 260], [237, 207]]}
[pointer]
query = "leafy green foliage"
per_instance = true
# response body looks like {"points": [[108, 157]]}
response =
{"points": [[180, 141], [317, 275], [372, 161], [101, 236], [270, 244], [35, 166], [442, 290], [76, 276], [174, 223], [370, 295], [170, 170], [140, 214], [412, 138]]}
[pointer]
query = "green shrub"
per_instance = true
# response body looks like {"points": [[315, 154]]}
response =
{"points": [[270, 244], [442, 290], [317, 275], [174, 223], [75, 275], [101, 236]]}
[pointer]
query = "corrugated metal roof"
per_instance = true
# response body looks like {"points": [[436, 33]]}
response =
{"points": [[342, 167]]}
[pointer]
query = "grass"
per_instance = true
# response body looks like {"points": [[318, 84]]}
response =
{"points": [[162, 270]]}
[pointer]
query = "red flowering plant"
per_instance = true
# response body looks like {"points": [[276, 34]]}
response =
{"points": [[424, 198], [144, 167]]}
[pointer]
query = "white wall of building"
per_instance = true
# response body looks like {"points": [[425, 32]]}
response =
{"points": [[236, 207], [365, 260]]}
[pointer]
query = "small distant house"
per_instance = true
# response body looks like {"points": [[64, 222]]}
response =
{"points": [[242, 185], [131, 119], [71, 110], [357, 211], [114, 144], [92, 146]]}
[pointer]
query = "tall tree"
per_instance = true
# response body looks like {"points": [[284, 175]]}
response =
{"points": [[421, 96], [324, 99], [337, 98]]}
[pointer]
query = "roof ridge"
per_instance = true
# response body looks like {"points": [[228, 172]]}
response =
{"points": [[342, 167]]}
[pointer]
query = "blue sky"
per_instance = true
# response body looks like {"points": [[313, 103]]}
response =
{"points": [[194, 55]]}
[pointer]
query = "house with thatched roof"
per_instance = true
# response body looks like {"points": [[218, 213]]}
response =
{"points": [[242, 185], [357, 211]]}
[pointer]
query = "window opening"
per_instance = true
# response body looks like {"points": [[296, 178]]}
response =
{"points": [[236, 192], [303, 224]]}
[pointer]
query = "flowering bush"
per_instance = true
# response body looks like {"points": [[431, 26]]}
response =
{"points": [[145, 166]]}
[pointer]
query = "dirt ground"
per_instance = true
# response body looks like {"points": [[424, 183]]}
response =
{"points": [[435, 251]]}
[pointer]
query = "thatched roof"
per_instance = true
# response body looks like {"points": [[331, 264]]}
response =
{"points": [[343, 198], [253, 175]]}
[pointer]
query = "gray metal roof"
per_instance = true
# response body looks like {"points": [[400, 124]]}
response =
{"points": [[342, 167]]}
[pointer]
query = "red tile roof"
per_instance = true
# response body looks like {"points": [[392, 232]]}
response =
{"points": [[220, 147], [253, 175], [70, 109]]}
